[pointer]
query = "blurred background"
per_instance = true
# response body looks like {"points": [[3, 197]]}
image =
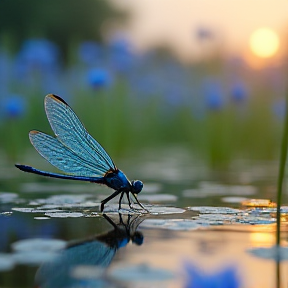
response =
{"points": [[208, 76]]}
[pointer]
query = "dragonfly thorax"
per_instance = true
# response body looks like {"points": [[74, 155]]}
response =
{"points": [[117, 180]]}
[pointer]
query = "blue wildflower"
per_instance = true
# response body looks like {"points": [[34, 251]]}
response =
{"points": [[214, 97], [99, 78], [239, 92], [37, 54], [279, 108], [225, 278], [121, 57], [89, 52], [13, 106]]}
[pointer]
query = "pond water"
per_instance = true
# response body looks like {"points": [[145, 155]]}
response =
{"points": [[204, 226]]}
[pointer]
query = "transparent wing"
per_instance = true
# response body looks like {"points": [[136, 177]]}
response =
{"points": [[63, 158], [70, 131]]}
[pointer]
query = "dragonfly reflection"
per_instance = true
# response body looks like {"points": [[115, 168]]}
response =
{"points": [[97, 251], [75, 152]]}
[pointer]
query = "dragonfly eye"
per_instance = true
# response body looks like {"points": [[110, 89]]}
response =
{"points": [[137, 186]]}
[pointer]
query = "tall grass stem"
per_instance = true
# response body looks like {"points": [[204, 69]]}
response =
{"points": [[282, 164]]}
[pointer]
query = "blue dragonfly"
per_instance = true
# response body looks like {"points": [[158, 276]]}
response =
{"points": [[75, 152]]}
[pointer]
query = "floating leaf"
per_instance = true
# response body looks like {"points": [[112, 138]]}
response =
{"points": [[7, 197], [125, 209], [214, 210], [171, 224], [277, 253], [65, 214], [156, 209], [8, 213], [258, 203], [25, 210], [6, 262], [38, 244]]}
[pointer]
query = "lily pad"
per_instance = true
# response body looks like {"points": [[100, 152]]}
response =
{"points": [[157, 209], [125, 209], [7, 197], [171, 224], [258, 203], [23, 209], [6, 262], [273, 253], [214, 210], [38, 244], [64, 214]]}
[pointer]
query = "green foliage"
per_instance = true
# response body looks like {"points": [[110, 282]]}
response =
{"points": [[282, 166]]}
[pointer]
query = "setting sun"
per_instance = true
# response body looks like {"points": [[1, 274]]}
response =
{"points": [[264, 42]]}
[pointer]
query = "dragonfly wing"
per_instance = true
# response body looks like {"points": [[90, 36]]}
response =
{"points": [[63, 158], [70, 131]]}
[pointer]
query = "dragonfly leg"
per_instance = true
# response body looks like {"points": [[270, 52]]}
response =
{"points": [[103, 202], [121, 196], [129, 201], [137, 201]]}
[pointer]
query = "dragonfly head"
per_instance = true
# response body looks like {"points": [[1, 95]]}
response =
{"points": [[137, 238], [137, 186]]}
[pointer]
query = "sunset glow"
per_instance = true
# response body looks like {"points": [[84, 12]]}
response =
{"points": [[264, 43]]}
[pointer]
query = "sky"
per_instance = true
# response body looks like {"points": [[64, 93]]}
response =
{"points": [[175, 23]]}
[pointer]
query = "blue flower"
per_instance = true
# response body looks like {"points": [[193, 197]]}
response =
{"points": [[279, 108], [13, 106], [37, 54], [239, 92], [99, 78], [121, 57], [214, 96], [225, 278], [89, 52]]}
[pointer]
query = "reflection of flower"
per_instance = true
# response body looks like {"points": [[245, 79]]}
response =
{"points": [[99, 78], [13, 106], [225, 278]]}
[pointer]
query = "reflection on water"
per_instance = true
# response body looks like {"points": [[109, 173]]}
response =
{"points": [[198, 217], [94, 254]]}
